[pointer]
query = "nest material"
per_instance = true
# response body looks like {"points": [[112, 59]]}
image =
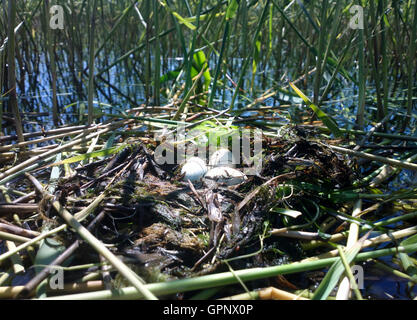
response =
{"points": [[151, 211]]}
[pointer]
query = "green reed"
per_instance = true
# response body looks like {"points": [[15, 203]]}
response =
{"points": [[290, 40]]}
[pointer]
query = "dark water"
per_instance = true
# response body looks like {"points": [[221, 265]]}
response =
{"points": [[122, 88]]}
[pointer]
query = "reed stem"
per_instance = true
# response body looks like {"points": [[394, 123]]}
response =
{"points": [[12, 71]]}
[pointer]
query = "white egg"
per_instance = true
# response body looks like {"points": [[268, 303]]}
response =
{"points": [[222, 158], [226, 175], [194, 169]]}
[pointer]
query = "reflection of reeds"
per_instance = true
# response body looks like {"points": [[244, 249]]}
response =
{"points": [[320, 53], [148, 64], [157, 54], [411, 68], [2, 63], [360, 115], [293, 38], [373, 38], [92, 9], [12, 71], [50, 48]]}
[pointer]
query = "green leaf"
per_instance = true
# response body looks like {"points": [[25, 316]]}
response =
{"points": [[231, 9], [178, 16], [410, 240], [183, 21], [387, 24], [110, 141], [327, 120], [201, 60], [94, 154], [408, 264], [337, 269], [214, 133], [343, 196], [256, 58], [287, 212], [170, 75], [284, 190]]}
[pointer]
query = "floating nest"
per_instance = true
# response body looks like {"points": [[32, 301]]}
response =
{"points": [[164, 227]]}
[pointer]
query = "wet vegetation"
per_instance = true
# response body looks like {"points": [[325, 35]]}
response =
{"points": [[90, 90]]}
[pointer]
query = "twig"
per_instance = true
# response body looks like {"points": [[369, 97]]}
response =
{"points": [[17, 230], [255, 192], [44, 133], [345, 284], [9, 208], [81, 215], [393, 162], [371, 242], [23, 144], [225, 278], [272, 293], [12, 237], [132, 277], [371, 132], [33, 283], [25, 164], [350, 278]]}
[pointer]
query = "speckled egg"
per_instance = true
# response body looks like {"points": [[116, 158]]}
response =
{"points": [[226, 175], [194, 169]]}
